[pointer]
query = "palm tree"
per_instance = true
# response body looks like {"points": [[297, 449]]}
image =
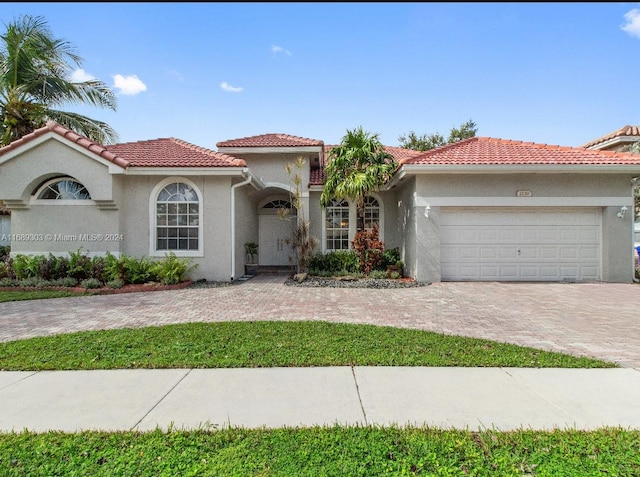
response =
{"points": [[359, 165], [35, 72]]}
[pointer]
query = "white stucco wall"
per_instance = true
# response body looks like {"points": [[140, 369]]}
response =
{"points": [[606, 191]]}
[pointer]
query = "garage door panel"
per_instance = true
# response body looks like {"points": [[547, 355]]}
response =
{"points": [[527, 244]]}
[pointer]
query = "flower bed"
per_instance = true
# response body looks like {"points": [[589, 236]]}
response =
{"points": [[352, 282], [145, 287]]}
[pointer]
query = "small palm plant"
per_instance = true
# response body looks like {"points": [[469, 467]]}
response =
{"points": [[251, 249]]}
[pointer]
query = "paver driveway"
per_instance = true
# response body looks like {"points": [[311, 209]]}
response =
{"points": [[596, 319]]}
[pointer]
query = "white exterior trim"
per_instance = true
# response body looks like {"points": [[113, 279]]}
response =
{"points": [[523, 201], [113, 168], [186, 171], [153, 197]]}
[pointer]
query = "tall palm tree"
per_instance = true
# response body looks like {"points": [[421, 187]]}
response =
{"points": [[35, 80], [359, 165]]}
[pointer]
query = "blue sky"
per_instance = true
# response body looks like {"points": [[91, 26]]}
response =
{"points": [[554, 73]]}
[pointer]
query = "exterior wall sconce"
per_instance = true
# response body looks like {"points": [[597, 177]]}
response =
{"points": [[623, 210], [426, 211]]}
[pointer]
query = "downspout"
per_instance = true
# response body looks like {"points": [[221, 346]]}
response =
{"points": [[634, 182], [233, 224]]}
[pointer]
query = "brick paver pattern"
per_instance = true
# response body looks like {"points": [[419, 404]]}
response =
{"points": [[600, 320]]}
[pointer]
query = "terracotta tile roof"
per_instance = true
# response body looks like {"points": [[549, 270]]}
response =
{"points": [[398, 153], [171, 152], [622, 132], [270, 140], [317, 176], [492, 151], [52, 126]]}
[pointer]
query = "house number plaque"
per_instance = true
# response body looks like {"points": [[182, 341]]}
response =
{"points": [[523, 193]]}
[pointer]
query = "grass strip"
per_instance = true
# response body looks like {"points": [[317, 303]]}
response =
{"points": [[323, 451], [35, 295], [271, 344]]}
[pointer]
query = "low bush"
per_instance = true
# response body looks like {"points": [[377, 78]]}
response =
{"points": [[172, 270], [335, 261], [90, 283], [5, 252], [92, 272], [117, 283]]}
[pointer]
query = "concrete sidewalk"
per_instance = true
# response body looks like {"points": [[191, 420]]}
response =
{"points": [[466, 398]]}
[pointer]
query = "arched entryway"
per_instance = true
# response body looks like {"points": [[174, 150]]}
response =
{"points": [[276, 222]]}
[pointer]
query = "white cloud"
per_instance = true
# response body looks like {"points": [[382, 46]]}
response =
{"points": [[129, 85], [80, 75], [632, 25], [231, 89], [278, 49]]}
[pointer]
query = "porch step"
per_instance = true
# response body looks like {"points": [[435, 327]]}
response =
{"points": [[268, 270]]}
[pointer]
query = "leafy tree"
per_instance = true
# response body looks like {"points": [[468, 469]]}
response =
{"points": [[35, 80], [431, 141], [359, 165]]}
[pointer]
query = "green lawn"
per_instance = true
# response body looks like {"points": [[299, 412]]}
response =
{"points": [[19, 295], [270, 344], [316, 451], [323, 451]]}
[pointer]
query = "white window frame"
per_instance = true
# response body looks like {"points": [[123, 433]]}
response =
{"points": [[153, 220], [35, 201], [353, 225]]}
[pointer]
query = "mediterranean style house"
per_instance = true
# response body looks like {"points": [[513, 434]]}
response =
{"points": [[479, 209]]}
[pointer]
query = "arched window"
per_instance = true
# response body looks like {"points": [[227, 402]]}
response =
{"points": [[65, 188], [337, 225], [177, 217], [277, 204], [371, 212]]}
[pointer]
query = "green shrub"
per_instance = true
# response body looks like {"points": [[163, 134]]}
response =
{"points": [[64, 282], [90, 283], [79, 265], [115, 283], [137, 270], [25, 266], [33, 282], [8, 282], [335, 261], [378, 274], [389, 257], [4, 270], [172, 270], [394, 275]]}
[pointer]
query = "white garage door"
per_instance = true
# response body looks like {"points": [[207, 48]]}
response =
{"points": [[546, 244]]}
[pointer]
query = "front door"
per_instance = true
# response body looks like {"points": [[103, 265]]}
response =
{"points": [[272, 242]]}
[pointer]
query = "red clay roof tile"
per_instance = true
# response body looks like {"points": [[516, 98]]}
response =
{"points": [[52, 126], [172, 152], [169, 152], [493, 151], [270, 140], [622, 132]]}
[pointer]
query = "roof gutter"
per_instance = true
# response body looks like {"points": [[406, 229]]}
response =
{"points": [[249, 179]]}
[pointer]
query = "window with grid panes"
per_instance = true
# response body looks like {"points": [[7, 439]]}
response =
{"points": [[337, 225], [177, 218]]}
